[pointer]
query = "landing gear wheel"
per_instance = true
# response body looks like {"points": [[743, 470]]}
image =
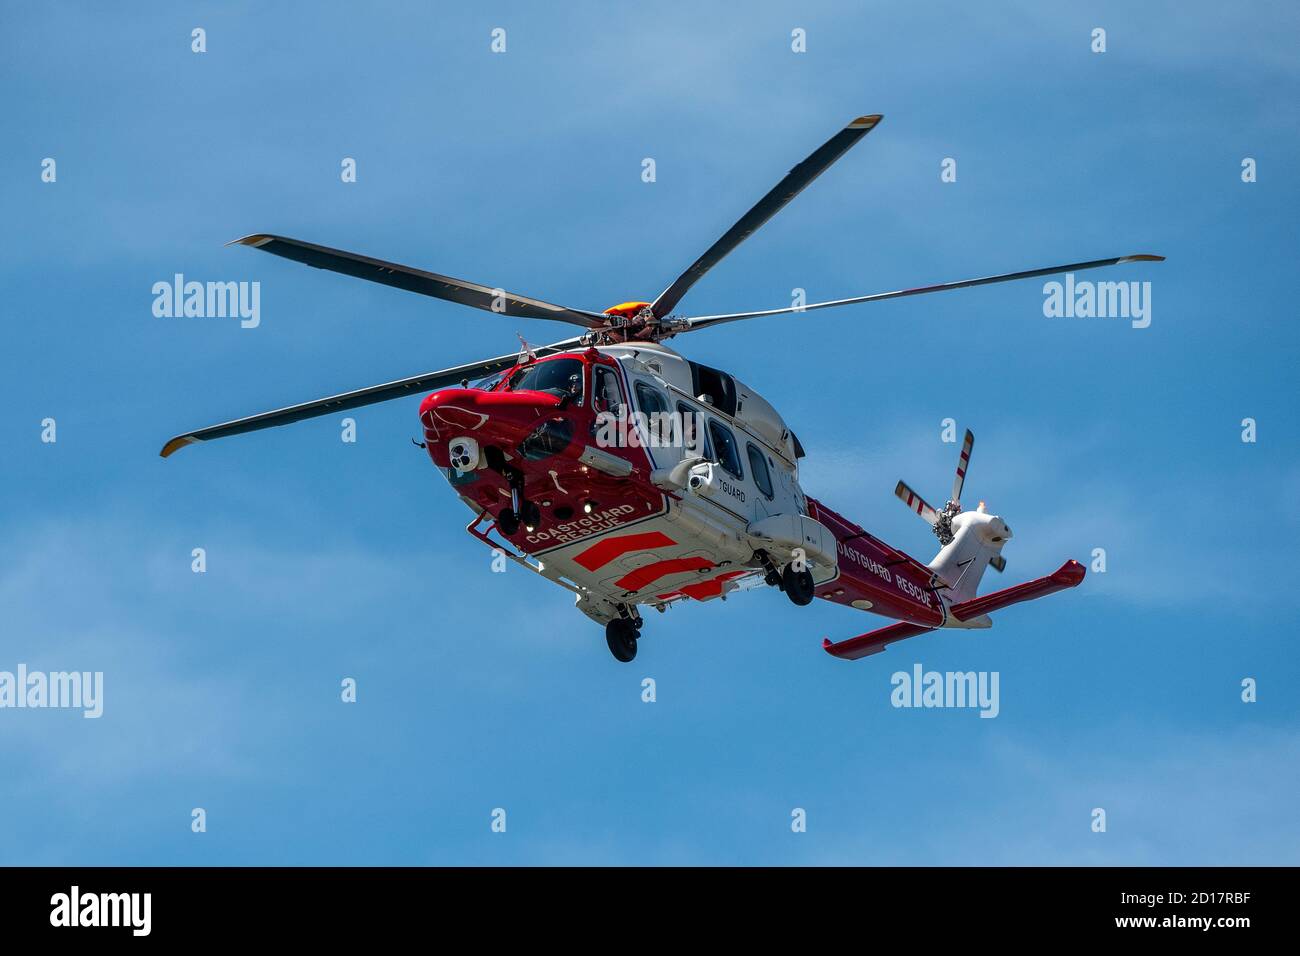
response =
{"points": [[531, 514], [508, 522], [798, 585], [620, 635]]}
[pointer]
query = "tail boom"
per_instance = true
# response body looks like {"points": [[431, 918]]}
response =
{"points": [[872, 575]]}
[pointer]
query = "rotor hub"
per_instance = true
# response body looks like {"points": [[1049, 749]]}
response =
{"points": [[634, 322], [943, 522]]}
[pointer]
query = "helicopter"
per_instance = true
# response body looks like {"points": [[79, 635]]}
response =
{"points": [[615, 467]]}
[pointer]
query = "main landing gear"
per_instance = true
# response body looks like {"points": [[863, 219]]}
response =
{"points": [[621, 635], [797, 584]]}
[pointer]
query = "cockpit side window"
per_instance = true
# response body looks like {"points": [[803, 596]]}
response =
{"points": [[607, 394]]}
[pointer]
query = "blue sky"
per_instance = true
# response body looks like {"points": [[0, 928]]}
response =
{"points": [[479, 690]]}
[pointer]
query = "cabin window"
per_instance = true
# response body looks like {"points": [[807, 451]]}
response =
{"points": [[724, 444], [557, 377], [758, 469], [695, 439], [658, 421]]}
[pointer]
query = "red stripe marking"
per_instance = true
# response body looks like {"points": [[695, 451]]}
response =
{"points": [[641, 577], [603, 552], [708, 589]]}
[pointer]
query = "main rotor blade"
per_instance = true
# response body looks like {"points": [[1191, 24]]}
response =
{"points": [[916, 503], [794, 183], [416, 384], [417, 280], [704, 321], [963, 462]]}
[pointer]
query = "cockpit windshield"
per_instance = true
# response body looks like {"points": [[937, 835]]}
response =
{"points": [[558, 377]]}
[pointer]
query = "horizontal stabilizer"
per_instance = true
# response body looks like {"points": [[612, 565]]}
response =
{"points": [[873, 642], [1067, 575]]}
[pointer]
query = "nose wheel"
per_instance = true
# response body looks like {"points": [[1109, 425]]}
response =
{"points": [[508, 522], [621, 634], [521, 511], [528, 515]]}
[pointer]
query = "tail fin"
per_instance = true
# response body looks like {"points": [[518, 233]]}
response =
{"points": [[977, 540]]}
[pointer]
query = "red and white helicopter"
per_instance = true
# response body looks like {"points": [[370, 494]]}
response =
{"points": [[634, 477]]}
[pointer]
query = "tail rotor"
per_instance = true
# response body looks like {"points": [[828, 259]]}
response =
{"points": [[940, 519]]}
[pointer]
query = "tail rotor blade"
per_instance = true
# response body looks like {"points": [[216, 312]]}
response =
{"points": [[916, 503], [962, 464]]}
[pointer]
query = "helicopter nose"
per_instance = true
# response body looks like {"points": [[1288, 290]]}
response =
{"points": [[501, 417], [458, 408]]}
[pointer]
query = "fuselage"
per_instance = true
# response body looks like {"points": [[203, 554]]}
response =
{"points": [[655, 480]]}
